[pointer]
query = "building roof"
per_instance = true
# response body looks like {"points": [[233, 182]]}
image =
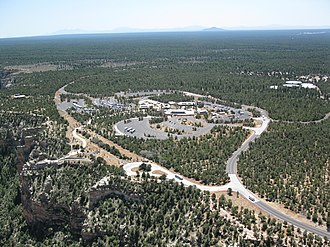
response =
{"points": [[186, 103], [293, 82], [180, 112], [308, 85], [19, 96], [290, 85]]}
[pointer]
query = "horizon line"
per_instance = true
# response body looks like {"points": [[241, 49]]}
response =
{"points": [[170, 30]]}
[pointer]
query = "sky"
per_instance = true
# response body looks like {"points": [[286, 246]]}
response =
{"points": [[43, 17]]}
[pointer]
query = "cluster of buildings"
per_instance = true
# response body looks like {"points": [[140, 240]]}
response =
{"points": [[171, 108], [312, 78], [219, 112], [299, 84], [110, 103], [296, 84], [145, 104], [225, 113], [81, 108]]}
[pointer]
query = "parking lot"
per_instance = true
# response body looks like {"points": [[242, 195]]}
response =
{"points": [[143, 129], [65, 105]]}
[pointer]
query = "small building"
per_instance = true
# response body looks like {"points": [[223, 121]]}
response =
{"points": [[299, 84], [291, 85], [293, 82], [308, 85], [76, 105], [145, 106], [186, 103], [149, 104], [166, 106], [19, 96], [179, 112], [202, 111]]}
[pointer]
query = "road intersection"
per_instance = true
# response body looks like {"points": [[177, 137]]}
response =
{"points": [[235, 183]]}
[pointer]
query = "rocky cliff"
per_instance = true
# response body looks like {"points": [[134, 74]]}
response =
{"points": [[44, 209], [44, 218]]}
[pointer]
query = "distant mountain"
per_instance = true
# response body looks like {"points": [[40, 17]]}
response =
{"points": [[213, 29], [178, 29], [129, 30], [69, 31]]}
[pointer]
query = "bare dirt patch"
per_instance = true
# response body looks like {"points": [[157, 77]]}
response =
{"points": [[235, 125], [135, 169], [257, 123], [91, 147], [134, 157], [39, 67], [192, 123], [158, 172], [112, 64], [239, 201]]}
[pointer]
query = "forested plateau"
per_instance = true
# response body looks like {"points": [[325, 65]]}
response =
{"points": [[288, 164]]}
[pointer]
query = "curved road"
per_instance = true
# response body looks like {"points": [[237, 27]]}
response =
{"points": [[232, 172], [235, 184], [304, 122], [231, 169]]}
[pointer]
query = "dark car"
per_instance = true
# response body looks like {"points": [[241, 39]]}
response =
{"points": [[251, 199]]}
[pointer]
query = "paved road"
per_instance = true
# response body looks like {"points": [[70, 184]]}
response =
{"points": [[277, 214], [143, 93], [172, 175], [235, 184], [238, 186], [65, 105], [231, 163], [305, 122], [143, 129]]}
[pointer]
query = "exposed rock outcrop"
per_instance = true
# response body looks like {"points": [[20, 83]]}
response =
{"points": [[45, 215]]}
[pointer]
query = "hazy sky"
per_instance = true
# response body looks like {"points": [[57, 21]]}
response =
{"points": [[39, 17]]}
